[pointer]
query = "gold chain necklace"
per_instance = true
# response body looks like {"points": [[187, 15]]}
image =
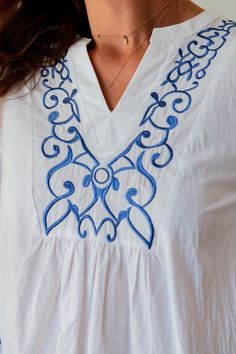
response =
{"points": [[125, 37], [126, 61]]}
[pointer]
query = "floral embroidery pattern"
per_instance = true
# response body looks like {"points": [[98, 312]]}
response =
{"points": [[102, 182]]}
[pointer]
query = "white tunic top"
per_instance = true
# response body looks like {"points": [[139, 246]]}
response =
{"points": [[118, 228]]}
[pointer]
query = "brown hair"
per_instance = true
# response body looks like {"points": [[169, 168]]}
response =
{"points": [[34, 33]]}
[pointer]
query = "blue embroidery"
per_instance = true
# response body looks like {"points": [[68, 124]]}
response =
{"points": [[100, 181]]}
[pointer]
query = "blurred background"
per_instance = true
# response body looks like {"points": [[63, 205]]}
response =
{"points": [[224, 7]]}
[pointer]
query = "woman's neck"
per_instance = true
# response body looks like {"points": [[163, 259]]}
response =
{"points": [[113, 17]]}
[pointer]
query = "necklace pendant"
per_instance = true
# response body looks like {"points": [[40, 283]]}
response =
{"points": [[126, 40]]}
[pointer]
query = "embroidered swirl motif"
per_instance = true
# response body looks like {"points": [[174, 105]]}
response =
{"points": [[103, 183]]}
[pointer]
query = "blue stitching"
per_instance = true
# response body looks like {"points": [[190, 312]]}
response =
{"points": [[188, 66]]}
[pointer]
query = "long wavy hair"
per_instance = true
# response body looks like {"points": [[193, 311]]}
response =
{"points": [[34, 33]]}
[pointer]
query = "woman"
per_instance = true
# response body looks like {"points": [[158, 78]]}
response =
{"points": [[118, 189]]}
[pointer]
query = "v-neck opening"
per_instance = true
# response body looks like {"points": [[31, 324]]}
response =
{"points": [[118, 107], [130, 112], [127, 88], [125, 117]]}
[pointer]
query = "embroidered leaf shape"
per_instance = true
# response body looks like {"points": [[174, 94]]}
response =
{"points": [[180, 52], [172, 121], [74, 92], [86, 180], [59, 208], [115, 184], [53, 116], [155, 96], [141, 224], [67, 100], [122, 215]]}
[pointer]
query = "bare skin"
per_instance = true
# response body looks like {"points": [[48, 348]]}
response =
{"points": [[107, 55]]}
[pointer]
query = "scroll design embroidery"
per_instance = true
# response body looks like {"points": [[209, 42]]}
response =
{"points": [[149, 150]]}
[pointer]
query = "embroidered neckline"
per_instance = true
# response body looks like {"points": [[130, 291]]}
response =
{"points": [[67, 146]]}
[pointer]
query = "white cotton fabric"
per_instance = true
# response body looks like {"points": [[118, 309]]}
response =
{"points": [[61, 293]]}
